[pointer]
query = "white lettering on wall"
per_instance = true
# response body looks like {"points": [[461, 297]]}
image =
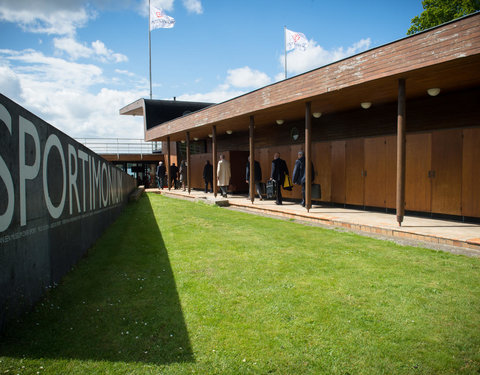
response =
{"points": [[53, 141], [6, 217], [84, 157], [27, 172], [72, 177]]}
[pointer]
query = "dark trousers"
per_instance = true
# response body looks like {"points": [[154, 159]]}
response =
{"points": [[303, 194], [160, 181], [206, 186], [224, 189], [258, 187], [279, 192]]}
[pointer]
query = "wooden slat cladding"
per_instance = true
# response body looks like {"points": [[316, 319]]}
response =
{"points": [[448, 110], [447, 171], [471, 172]]}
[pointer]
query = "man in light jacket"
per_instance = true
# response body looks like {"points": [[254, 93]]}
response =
{"points": [[223, 175]]}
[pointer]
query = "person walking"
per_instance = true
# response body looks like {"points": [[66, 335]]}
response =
{"points": [[279, 169], [223, 175], [183, 174], [173, 175], [161, 171], [257, 176], [208, 176], [299, 174]]}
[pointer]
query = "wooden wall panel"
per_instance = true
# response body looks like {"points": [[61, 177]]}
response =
{"points": [[322, 162], [338, 172], [471, 173], [447, 166], [375, 171], [418, 163], [197, 162], [391, 171], [238, 165], [354, 159]]}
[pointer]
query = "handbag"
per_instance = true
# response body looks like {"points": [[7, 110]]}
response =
{"points": [[287, 183]]}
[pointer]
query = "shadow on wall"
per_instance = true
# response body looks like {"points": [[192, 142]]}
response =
{"points": [[119, 304]]}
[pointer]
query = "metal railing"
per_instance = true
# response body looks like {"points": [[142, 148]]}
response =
{"points": [[118, 146]]}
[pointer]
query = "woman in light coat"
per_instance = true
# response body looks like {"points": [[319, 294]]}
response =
{"points": [[223, 175]]}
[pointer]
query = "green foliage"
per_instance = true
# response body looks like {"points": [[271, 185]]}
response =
{"points": [[440, 11], [176, 287]]}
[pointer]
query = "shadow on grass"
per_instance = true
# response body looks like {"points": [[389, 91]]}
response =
{"points": [[119, 304]]}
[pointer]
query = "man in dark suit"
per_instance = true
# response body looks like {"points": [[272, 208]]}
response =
{"points": [[279, 169], [161, 171], [208, 176], [173, 175], [299, 174]]}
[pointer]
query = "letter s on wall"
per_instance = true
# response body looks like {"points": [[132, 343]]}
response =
{"points": [[6, 217]]}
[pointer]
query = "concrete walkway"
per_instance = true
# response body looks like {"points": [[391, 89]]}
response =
{"points": [[452, 236]]}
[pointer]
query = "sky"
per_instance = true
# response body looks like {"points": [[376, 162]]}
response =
{"points": [[75, 63]]}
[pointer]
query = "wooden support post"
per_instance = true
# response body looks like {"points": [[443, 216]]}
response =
{"points": [[252, 159], [401, 140], [188, 161], [308, 155], [214, 159], [168, 163]]}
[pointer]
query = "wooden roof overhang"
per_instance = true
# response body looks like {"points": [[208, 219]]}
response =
{"points": [[447, 57]]}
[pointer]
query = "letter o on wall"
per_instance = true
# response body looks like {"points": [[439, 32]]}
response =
{"points": [[53, 141]]}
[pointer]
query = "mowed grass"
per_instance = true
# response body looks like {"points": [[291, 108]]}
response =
{"points": [[176, 287]]}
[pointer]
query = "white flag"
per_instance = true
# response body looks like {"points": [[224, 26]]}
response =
{"points": [[295, 40], [159, 20]]}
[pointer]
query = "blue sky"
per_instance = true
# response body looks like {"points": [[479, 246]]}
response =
{"points": [[76, 63]]}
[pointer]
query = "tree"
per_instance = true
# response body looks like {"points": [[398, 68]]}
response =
{"points": [[440, 11]]}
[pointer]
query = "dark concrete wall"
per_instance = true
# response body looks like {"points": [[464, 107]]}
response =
{"points": [[56, 198]]}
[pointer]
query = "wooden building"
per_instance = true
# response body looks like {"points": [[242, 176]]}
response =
{"points": [[396, 127]]}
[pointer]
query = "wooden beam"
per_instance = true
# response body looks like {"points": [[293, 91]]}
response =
{"points": [[308, 155], [168, 162], [401, 123], [252, 158], [188, 161], [214, 159]]}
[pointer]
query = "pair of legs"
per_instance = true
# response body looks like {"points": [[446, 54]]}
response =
{"points": [[160, 182], [279, 193], [223, 190], [258, 187], [206, 186]]}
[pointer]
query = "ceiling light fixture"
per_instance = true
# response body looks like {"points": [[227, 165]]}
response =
{"points": [[366, 105], [229, 131], [316, 114], [280, 122], [433, 91], [195, 139]]}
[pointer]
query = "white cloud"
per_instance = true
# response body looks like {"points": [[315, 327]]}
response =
{"points": [[193, 6], [218, 95], [163, 4], [60, 92], [77, 50], [47, 17], [247, 77], [316, 56], [9, 83], [72, 47]]}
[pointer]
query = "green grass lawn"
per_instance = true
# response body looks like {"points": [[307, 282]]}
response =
{"points": [[175, 287]]}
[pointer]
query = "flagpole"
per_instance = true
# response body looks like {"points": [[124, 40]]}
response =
{"points": [[285, 37], [150, 49]]}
